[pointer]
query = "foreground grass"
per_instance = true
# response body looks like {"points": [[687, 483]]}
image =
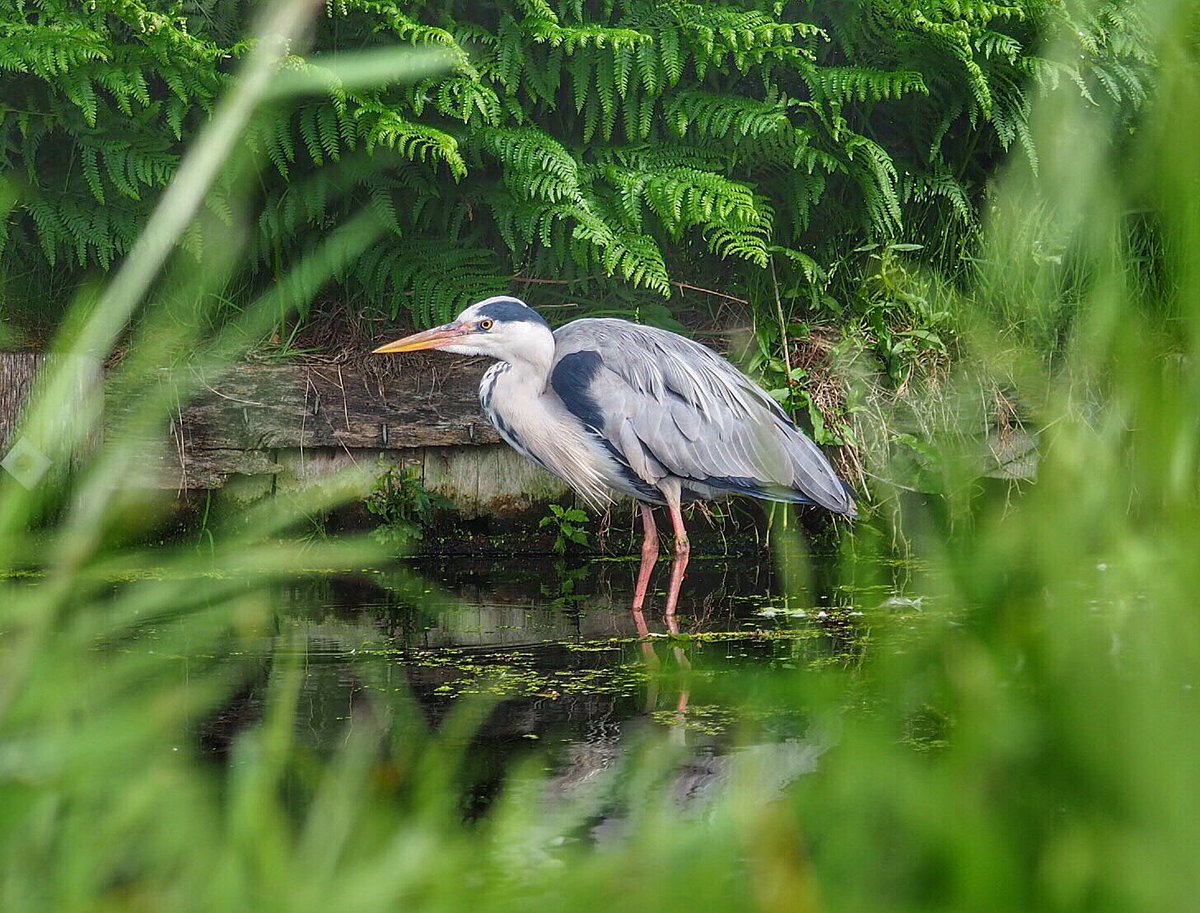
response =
{"points": [[1030, 747]]}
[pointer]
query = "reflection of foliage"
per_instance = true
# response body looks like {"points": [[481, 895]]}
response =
{"points": [[704, 719], [562, 591], [567, 523], [522, 674], [403, 505]]}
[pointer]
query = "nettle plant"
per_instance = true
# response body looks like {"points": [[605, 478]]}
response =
{"points": [[606, 145]]}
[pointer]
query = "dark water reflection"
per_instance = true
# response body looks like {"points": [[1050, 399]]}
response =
{"points": [[554, 649]]}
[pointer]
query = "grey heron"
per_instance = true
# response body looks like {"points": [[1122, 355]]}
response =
{"points": [[615, 408]]}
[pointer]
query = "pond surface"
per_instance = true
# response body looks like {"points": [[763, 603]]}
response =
{"points": [[552, 653]]}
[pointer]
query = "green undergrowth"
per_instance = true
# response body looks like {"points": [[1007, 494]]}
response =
{"points": [[631, 158], [1022, 742]]}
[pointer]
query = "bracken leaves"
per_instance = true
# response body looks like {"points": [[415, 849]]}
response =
{"points": [[620, 143]]}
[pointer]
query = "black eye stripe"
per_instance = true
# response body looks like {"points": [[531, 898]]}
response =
{"points": [[509, 310]]}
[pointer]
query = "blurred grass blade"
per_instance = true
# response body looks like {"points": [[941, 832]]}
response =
{"points": [[323, 74]]}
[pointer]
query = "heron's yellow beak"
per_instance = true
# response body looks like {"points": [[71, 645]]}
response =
{"points": [[427, 339]]}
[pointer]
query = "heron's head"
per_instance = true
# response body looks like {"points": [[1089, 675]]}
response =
{"points": [[500, 327]]}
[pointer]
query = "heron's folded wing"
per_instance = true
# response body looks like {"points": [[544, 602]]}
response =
{"points": [[670, 406]]}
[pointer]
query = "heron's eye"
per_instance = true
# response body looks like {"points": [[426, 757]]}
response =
{"points": [[485, 324]]}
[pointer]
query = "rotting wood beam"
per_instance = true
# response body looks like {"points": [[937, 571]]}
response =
{"points": [[266, 407], [296, 422]]}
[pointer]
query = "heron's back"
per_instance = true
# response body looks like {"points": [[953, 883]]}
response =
{"points": [[670, 408]]}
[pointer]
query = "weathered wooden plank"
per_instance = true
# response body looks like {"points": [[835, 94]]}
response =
{"points": [[202, 469], [478, 480], [494, 479], [301, 468], [17, 372], [69, 429], [509, 481], [1012, 455], [265, 407]]}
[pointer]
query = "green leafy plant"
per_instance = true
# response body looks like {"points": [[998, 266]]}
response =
{"points": [[904, 315], [797, 383], [784, 382], [404, 506], [629, 144], [567, 524]]}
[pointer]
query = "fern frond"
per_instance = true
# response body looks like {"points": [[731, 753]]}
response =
{"points": [[841, 85], [713, 116], [878, 182], [385, 127], [429, 279], [537, 166]]}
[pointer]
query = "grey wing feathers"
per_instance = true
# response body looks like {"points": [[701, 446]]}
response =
{"points": [[670, 406]]}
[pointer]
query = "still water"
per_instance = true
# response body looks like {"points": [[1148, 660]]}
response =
{"points": [[551, 653]]}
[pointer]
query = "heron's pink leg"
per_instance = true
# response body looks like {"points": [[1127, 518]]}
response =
{"points": [[649, 557], [683, 549]]}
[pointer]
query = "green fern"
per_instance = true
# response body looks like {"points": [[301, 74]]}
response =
{"points": [[428, 280], [711, 116], [629, 144]]}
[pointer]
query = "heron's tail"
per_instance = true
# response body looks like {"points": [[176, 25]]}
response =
{"points": [[813, 477], [766, 491]]}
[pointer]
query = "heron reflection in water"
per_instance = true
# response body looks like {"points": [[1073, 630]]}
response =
{"points": [[616, 409]]}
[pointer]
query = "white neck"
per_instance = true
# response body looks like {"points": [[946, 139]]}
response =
{"points": [[533, 419], [531, 367]]}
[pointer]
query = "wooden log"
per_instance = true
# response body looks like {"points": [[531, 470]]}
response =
{"points": [[265, 407], [293, 425], [163, 466]]}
